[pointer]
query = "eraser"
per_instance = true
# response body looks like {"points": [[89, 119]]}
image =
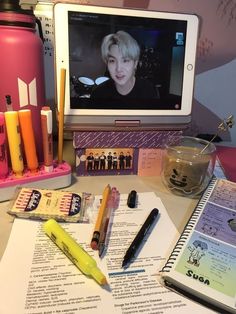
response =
{"points": [[94, 245], [131, 201]]}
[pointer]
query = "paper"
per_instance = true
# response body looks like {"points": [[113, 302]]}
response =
{"points": [[205, 256], [35, 276], [149, 162], [211, 248]]}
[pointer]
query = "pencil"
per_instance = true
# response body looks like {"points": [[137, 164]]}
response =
{"points": [[100, 218], [61, 115]]}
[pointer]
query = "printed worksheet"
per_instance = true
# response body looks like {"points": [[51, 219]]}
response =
{"points": [[37, 278]]}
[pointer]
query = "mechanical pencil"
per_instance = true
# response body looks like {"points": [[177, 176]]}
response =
{"points": [[3, 147], [140, 237], [27, 134], [102, 211], [46, 125], [74, 251], [14, 142]]}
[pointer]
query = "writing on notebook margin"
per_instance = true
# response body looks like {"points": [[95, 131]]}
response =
{"points": [[195, 276]]}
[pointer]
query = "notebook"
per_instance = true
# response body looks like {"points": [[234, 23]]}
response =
{"points": [[202, 264]]}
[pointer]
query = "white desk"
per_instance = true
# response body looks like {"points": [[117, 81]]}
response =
{"points": [[179, 208]]}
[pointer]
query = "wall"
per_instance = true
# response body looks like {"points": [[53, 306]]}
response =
{"points": [[215, 84]]}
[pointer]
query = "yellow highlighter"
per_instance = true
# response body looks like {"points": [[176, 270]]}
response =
{"points": [[73, 251], [14, 140]]}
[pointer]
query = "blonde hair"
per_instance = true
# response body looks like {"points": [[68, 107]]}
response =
{"points": [[128, 46]]}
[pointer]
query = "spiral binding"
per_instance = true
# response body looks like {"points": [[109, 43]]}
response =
{"points": [[189, 227]]}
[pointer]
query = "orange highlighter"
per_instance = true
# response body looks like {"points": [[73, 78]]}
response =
{"points": [[14, 142], [27, 134], [46, 125]]}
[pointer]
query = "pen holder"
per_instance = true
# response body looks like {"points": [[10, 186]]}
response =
{"points": [[60, 177], [188, 165]]}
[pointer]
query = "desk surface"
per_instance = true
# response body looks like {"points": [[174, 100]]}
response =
{"points": [[178, 208]]}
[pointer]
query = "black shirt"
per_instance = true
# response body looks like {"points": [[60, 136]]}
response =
{"points": [[143, 89]]}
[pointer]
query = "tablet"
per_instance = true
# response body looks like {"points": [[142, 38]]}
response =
{"points": [[125, 67]]}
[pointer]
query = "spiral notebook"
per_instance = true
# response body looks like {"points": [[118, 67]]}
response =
{"points": [[202, 264]]}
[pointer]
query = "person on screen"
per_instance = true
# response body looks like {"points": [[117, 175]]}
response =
{"points": [[121, 52]]}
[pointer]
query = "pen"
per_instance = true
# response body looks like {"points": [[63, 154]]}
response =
{"points": [[103, 233], [46, 125], [3, 148], [27, 134], [111, 205], [14, 142], [131, 201], [97, 229], [73, 251], [140, 237]]}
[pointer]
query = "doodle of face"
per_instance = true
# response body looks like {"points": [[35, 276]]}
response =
{"points": [[177, 179], [210, 230], [183, 176]]}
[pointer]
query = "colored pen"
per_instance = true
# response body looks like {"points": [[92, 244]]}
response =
{"points": [[140, 237], [111, 205], [27, 134], [3, 147], [46, 125], [102, 211], [14, 142], [73, 251]]}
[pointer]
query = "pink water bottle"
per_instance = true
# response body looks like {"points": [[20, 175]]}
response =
{"points": [[21, 64]]}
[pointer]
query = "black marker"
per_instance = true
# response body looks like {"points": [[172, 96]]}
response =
{"points": [[140, 236], [131, 201]]}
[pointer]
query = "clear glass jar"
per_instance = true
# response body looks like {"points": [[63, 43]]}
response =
{"points": [[188, 165]]}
